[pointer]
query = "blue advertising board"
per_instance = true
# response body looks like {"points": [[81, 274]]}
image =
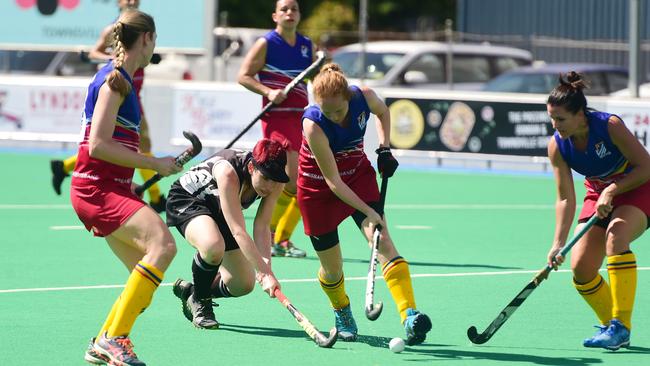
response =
{"points": [[69, 24]]}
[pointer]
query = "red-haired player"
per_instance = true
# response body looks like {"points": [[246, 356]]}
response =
{"points": [[206, 204], [336, 181]]}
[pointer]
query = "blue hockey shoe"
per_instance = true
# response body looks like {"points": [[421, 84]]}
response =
{"points": [[612, 338], [417, 325], [345, 324]]}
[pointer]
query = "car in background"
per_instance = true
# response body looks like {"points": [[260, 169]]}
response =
{"points": [[423, 64], [50, 63], [602, 79]]}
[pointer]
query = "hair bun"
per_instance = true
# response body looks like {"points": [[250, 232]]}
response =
{"points": [[331, 67]]}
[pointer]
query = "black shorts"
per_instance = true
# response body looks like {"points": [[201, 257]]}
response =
{"points": [[182, 207]]}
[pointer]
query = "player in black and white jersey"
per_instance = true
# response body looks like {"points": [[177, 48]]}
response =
{"points": [[206, 204]]}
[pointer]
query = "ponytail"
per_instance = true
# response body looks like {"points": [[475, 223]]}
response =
{"points": [[116, 80], [331, 82], [126, 31]]}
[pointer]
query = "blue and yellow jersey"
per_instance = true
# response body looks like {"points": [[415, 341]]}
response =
{"points": [[601, 162]]}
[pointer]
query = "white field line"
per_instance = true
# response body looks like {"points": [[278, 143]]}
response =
{"points": [[470, 206], [442, 206], [34, 207], [413, 227], [300, 280], [71, 227]]}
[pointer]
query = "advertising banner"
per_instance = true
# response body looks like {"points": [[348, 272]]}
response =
{"points": [[470, 126], [635, 116], [217, 115], [42, 108], [66, 24]]}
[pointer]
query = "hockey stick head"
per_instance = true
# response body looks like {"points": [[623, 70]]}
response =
{"points": [[196, 143], [327, 342], [191, 152], [475, 337], [373, 311]]}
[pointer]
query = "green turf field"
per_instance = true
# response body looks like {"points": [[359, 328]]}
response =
{"points": [[473, 242]]}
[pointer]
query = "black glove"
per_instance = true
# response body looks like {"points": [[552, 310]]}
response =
{"points": [[155, 59], [386, 163]]}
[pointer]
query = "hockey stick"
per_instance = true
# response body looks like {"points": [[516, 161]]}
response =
{"points": [[181, 160], [481, 338], [320, 58], [374, 310], [309, 328]]}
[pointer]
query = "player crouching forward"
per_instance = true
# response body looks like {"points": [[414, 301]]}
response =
{"points": [[206, 205], [336, 180]]}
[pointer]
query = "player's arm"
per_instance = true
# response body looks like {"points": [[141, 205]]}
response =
{"points": [[565, 203], [101, 144], [254, 63], [379, 109], [319, 145], [261, 225], [228, 185], [634, 152], [98, 52]]}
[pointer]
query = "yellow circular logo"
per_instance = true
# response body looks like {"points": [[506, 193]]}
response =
{"points": [[407, 124]]}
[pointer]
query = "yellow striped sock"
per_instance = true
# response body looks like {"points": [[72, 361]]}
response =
{"points": [[598, 295], [335, 291], [280, 207], [69, 163], [288, 221], [398, 279], [135, 298], [622, 279], [110, 317]]}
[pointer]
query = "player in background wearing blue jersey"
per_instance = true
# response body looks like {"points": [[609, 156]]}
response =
{"points": [[616, 167], [276, 59]]}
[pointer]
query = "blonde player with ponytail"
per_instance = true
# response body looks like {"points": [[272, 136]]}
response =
{"points": [[103, 51], [102, 192]]}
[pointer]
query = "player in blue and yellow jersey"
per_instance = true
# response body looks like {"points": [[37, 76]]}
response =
{"points": [[336, 181], [62, 168], [102, 191], [616, 167], [276, 59]]}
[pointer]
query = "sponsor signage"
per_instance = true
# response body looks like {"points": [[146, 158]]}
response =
{"points": [[470, 126], [217, 115], [69, 24], [41, 108]]}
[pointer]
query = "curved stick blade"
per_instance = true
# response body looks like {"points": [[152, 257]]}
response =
{"points": [[196, 143], [327, 342], [374, 311], [475, 337]]}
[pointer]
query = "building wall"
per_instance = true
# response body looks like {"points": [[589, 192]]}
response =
{"points": [[537, 25]]}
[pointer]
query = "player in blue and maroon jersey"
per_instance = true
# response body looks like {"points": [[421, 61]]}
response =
{"points": [[336, 181], [276, 59], [102, 192], [101, 51], [617, 171]]}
